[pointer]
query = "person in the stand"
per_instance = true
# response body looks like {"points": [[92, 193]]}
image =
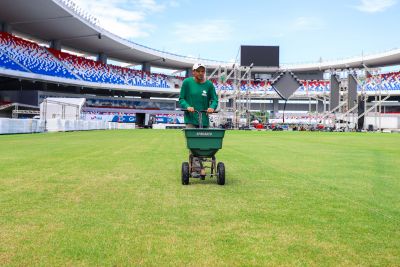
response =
{"points": [[198, 93]]}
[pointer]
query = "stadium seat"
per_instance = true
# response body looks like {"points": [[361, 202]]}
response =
{"points": [[94, 71], [31, 57]]}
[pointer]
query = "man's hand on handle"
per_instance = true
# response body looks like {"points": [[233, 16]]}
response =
{"points": [[191, 109]]}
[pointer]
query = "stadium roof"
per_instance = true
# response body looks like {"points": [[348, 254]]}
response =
{"points": [[49, 20]]}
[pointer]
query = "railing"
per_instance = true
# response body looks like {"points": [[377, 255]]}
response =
{"points": [[71, 5]]}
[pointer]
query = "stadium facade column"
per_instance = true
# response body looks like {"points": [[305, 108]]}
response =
{"points": [[55, 44], [5, 27], [188, 72], [102, 57], [146, 66]]}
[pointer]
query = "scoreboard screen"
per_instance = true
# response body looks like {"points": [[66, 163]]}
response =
{"points": [[259, 56]]}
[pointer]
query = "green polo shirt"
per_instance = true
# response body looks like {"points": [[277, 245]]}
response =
{"points": [[200, 96]]}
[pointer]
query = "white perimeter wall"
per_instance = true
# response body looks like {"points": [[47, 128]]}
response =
{"points": [[386, 121], [13, 126]]}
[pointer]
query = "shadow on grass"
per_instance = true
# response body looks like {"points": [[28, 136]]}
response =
{"points": [[210, 182]]}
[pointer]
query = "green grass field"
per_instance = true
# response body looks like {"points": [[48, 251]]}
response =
{"points": [[114, 198]]}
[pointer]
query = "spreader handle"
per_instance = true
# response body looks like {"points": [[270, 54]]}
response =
{"points": [[199, 112]]}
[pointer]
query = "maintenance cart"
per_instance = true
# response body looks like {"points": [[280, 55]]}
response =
{"points": [[203, 144]]}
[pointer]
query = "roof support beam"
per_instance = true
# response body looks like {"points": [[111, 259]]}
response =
{"points": [[55, 44], [41, 20], [5, 27], [102, 57], [98, 35]]}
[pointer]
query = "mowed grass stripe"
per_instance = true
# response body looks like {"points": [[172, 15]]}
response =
{"points": [[115, 198]]}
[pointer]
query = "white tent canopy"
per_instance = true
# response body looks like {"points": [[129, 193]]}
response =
{"points": [[61, 108]]}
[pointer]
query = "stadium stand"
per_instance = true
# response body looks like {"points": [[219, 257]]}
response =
{"points": [[88, 70], [32, 57], [22, 55], [94, 71], [223, 87], [314, 87], [389, 82], [254, 86], [8, 63]]}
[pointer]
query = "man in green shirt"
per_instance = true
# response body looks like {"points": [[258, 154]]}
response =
{"points": [[197, 93]]}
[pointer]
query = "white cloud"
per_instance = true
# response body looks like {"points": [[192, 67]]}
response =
{"points": [[307, 24], [150, 5], [174, 3], [373, 6], [126, 18], [203, 31]]}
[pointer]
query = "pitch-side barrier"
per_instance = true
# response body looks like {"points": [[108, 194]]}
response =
{"points": [[14, 126]]}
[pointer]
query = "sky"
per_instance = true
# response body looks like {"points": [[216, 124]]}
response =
{"points": [[305, 31]]}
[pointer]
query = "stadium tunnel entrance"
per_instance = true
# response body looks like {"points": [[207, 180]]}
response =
{"points": [[140, 120]]}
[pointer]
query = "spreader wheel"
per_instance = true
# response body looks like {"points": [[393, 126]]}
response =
{"points": [[185, 173], [221, 173]]}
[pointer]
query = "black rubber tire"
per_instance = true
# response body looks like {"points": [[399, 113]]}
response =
{"points": [[220, 173], [185, 173]]}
